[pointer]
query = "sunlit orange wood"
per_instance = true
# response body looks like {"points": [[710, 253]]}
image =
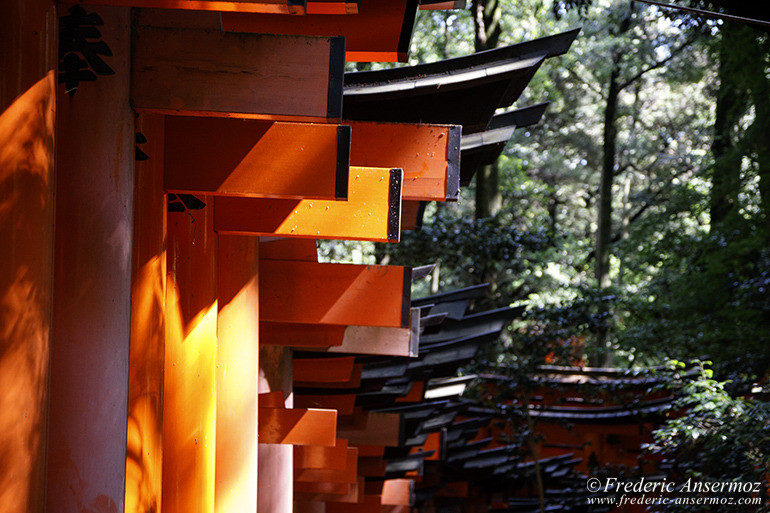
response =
{"points": [[323, 370], [189, 412], [343, 403], [297, 426], [332, 7], [371, 212], [28, 63], [258, 6], [343, 294], [376, 340], [256, 158], [353, 382], [346, 475], [380, 429], [237, 371], [208, 72], [144, 458], [317, 457], [289, 249], [92, 284], [428, 154], [397, 492], [381, 31], [300, 335]]}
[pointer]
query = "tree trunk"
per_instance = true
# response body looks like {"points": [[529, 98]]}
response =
{"points": [[760, 95], [726, 182], [604, 221], [486, 23]]}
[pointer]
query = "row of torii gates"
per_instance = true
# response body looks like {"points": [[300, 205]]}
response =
{"points": [[165, 169]]}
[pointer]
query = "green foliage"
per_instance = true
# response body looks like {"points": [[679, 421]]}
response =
{"points": [[717, 437]]}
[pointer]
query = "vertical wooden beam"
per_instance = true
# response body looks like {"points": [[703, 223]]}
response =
{"points": [[92, 285], [237, 374], [275, 484], [28, 61], [144, 451], [189, 412]]}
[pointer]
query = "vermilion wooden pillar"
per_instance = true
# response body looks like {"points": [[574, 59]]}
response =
{"points": [[28, 33], [189, 395], [237, 374], [276, 466], [148, 299], [92, 285]]}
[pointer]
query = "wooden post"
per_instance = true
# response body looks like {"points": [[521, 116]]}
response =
{"points": [[144, 458], [28, 61], [275, 484], [189, 412], [237, 374], [92, 285]]}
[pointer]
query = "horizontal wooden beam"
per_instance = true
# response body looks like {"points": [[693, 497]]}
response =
{"points": [[203, 72], [332, 6], [318, 457], [380, 32], [323, 370], [343, 403], [294, 7], [342, 294], [372, 212], [310, 487], [347, 475], [256, 158], [428, 154], [370, 504], [352, 383], [398, 492], [300, 335], [380, 429], [355, 495], [411, 214], [297, 426]]}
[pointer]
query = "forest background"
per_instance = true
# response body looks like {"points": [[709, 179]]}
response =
{"points": [[633, 219]]}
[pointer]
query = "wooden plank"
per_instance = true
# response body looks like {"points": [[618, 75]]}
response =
{"points": [[144, 456], [416, 393], [370, 504], [317, 457], [342, 294], [343, 403], [293, 7], [297, 426], [237, 370], [322, 487], [305, 250], [300, 335], [323, 370], [353, 382], [381, 429], [428, 154], [214, 73], [380, 32], [355, 495], [376, 340], [347, 475], [256, 158], [372, 211], [397, 492], [411, 215], [271, 399], [332, 6]]}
